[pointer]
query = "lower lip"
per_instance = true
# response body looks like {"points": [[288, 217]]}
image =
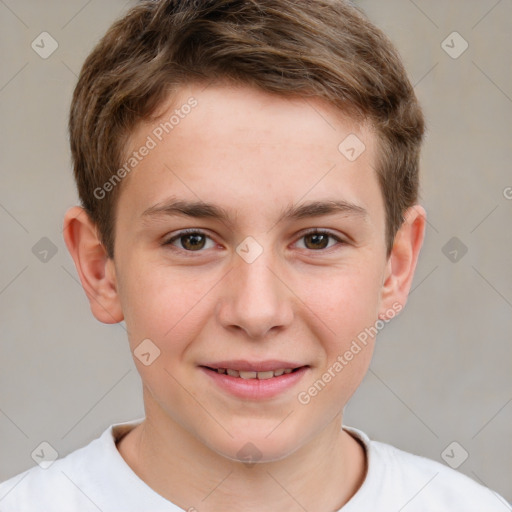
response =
{"points": [[256, 389]]}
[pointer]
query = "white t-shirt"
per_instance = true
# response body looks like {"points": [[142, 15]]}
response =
{"points": [[97, 478]]}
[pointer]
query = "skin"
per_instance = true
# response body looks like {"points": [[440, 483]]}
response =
{"points": [[253, 154]]}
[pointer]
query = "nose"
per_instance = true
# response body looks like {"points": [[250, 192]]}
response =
{"points": [[255, 299]]}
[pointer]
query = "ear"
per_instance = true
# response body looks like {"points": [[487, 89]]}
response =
{"points": [[95, 269], [402, 261]]}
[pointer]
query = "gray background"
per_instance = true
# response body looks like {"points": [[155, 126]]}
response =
{"points": [[441, 372]]}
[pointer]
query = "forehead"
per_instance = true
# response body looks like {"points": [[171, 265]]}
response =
{"points": [[241, 147]]}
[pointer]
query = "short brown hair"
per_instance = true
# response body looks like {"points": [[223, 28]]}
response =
{"points": [[310, 48]]}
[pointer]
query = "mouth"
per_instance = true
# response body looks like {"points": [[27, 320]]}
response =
{"points": [[247, 374], [260, 380]]}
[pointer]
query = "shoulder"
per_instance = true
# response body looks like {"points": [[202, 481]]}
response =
{"points": [[403, 480], [94, 477], [434, 481], [58, 487]]}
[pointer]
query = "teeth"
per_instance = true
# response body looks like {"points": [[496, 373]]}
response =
{"points": [[265, 375], [248, 375], [254, 375]]}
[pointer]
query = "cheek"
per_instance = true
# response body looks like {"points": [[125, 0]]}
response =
{"points": [[348, 314], [163, 305], [346, 304], [166, 309]]}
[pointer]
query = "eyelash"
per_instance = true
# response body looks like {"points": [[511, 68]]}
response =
{"points": [[314, 231]]}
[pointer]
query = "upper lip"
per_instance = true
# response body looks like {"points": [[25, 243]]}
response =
{"points": [[253, 366]]}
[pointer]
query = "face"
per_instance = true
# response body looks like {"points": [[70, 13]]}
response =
{"points": [[231, 258]]}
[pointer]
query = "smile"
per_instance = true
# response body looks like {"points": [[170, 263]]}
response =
{"points": [[255, 381], [253, 375]]}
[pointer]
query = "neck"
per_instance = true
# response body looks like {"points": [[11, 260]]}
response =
{"points": [[321, 475]]}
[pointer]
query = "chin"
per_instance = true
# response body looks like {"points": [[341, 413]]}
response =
{"points": [[257, 445]]}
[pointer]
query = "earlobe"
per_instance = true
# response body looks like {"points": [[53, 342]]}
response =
{"points": [[402, 260], [95, 269]]}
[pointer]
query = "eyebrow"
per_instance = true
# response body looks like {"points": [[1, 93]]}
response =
{"points": [[202, 210]]}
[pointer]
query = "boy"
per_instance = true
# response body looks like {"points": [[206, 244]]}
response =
{"points": [[248, 172]]}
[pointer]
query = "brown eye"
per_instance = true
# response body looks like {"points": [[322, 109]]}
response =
{"points": [[316, 241], [320, 240], [190, 241]]}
